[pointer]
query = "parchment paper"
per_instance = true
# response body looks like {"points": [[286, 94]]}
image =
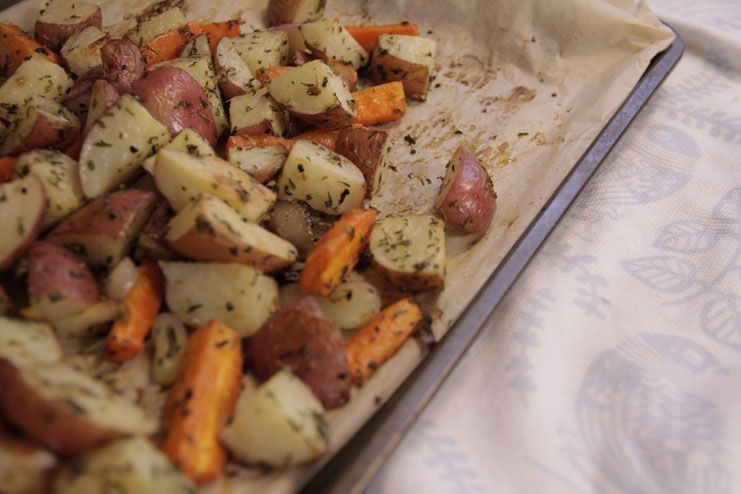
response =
{"points": [[530, 83]]}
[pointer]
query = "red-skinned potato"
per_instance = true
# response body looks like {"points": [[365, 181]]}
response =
{"points": [[81, 52], [256, 113], [235, 77], [263, 163], [467, 198], [63, 18], [25, 467], [41, 123], [66, 410], [102, 231], [123, 64], [367, 149], [409, 59], [22, 212], [346, 73], [177, 101], [296, 41], [59, 284], [299, 337], [78, 98], [151, 242], [289, 11], [103, 95]]}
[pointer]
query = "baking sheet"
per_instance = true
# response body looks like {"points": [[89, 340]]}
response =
{"points": [[530, 83]]}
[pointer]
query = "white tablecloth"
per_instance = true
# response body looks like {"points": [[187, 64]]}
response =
{"points": [[614, 364]]}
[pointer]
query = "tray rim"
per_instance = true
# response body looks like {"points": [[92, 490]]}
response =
{"points": [[354, 466]]}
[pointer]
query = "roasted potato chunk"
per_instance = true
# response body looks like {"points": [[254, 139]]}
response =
{"points": [[324, 180], [25, 468], [467, 198], [102, 231], [409, 59], [314, 94], [235, 76], [330, 41], [157, 24], [40, 123], [22, 211], [197, 47], [36, 76], [410, 251], [123, 64], [302, 339], [263, 163], [240, 296], [82, 50], [288, 11], [257, 113], [261, 50], [24, 342], [188, 141], [60, 19], [209, 230], [103, 95], [368, 150]]}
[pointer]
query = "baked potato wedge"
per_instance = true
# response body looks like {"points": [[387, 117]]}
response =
{"points": [[59, 176], [23, 206], [78, 97], [28, 342], [103, 95], [263, 163], [151, 243], [102, 231], [467, 198], [324, 180], [279, 425], [314, 94], [60, 19], [197, 47], [409, 59], [368, 150], [81, 52], [290, 221], [296, 41], [40, 123], [257, 113], [36, 76], [410, 251], [92, 321], [329, 40], [235, 76], [123, 64], [261, 50], [59, 284], [299, 337], [133, 465], [117, 144], [189, 141], [157, 24], [176, 100], [289, 11], [240, 296], [209, 230], [182, 178], [66, 410]]}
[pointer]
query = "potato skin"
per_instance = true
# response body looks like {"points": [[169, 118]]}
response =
{"points": [[53, 35], [49, 422], [78, 98], [52, 126], [177, 101], [299, 337], [470, 201], [365, 148], [346, 73], [122, 63], [287, 11]]}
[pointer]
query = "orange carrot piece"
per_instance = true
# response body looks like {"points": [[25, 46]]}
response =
{"points": [[16, 46], [258, 141], [266, 74], [367, 36], [379, 340], [168, 45], [202, 400], [380, 104], [7, 164], [217, 31], [337, 252], [326, 138], [141, 306]]}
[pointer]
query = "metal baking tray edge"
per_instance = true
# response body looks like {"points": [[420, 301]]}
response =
{"points": [[353, 467]]}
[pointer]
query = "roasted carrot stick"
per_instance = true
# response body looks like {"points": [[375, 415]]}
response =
{"points": [[258, 142], [265, 75], [367, 36], [380, 104], [379, 340], [202, 400], [16, 46], [7, 163], [336, 253], [168, 45], [326, 138], [141, 306]]}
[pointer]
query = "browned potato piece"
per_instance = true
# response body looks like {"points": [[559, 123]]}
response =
{"points": [[295, 40], [25, 468], [41, 123], [197, 47], [209, 230], [155, 24], [409, 59], [329, 40], [35, 77], [299, 337], [345, 71], [314, 94], [175, 99], [78, 98], [235, 76], [288, 11], [102, 231], [467, 198], [66, 410], [151, 241], [263, 163], [60, 19], [81, 52], [262, 49], [59, 284], [123, 64], [290, 220], [103, 95], [367, 149], [256, 113], [22, 212]]}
